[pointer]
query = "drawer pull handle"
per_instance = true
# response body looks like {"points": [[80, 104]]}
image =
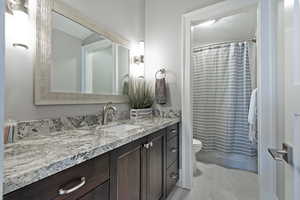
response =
{"points": [[151, 144], [147, 146], [173, 150], [173, 176], [63, 191], [173, 131]]}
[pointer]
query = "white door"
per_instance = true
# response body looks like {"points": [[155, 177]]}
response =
{"points": [[2, 48], [289, 72], [292, 95]]}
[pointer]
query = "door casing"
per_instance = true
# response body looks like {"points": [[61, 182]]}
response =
{"points": [[266, 77], [2, 84]]}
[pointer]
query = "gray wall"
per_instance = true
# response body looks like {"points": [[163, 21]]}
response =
{"points": [[163, 40], [123, 17]]}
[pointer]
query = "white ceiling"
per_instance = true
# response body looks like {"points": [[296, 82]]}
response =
{"points": [[123, 17], [70, 27], [241, 26]]}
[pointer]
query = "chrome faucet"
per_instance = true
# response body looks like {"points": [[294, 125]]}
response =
{"points": [[106, 110]]}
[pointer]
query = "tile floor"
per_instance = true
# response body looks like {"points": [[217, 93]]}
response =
{"points": [[218, 183]]}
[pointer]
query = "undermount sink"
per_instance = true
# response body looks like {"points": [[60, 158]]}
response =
{"points": [[121, 127]]}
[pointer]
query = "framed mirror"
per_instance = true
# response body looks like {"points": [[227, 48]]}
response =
{"points": [[76, 61]]}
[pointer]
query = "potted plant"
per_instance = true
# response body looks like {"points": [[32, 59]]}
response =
{"points": [[141, 99]]}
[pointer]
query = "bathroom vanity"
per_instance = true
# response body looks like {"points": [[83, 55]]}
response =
{"points": [[133, 160]]}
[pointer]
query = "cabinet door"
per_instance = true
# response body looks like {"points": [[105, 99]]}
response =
{"points": [[172, 177], [127, 172], [99, 193], [155, 163]]}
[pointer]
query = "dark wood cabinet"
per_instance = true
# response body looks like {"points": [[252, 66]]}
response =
{"points": [[172, 158], [127, 172], [155, 166], [99, 193], [172, 131], [172, 177], [138, 169], [145, 169], [172, 150]]}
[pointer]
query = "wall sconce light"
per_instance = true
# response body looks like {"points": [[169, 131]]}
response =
{"points": [[19, 10], [139, 58], [137, 67], [13, 6]]}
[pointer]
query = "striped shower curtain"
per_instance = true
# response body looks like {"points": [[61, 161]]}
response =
{"points": [[221, 90]]}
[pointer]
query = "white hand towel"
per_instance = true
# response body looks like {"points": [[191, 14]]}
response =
{"points": [[252, 116]]}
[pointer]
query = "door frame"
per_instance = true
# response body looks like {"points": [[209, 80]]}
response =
{"points": [[266, 77], [2, 87]]}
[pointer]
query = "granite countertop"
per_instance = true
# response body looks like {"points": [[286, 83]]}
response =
{"points": [[43, 155]]}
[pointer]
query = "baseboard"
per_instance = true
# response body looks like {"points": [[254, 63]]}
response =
{"points": [[275, 197], [228, 160]]}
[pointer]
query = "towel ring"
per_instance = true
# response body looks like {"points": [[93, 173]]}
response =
{"points": [[162, 72]]}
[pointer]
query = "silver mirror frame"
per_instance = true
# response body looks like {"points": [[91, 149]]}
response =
{"points": [[43, 56]]}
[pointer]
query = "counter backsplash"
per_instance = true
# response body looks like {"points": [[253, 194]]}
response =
{"points": [[45, 126], [167, 113]]}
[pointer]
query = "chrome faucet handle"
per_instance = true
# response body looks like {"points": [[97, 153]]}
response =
{"points": [[107, 105]]}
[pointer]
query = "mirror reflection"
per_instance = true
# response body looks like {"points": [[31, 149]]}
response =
{"points": [[85, 61]]}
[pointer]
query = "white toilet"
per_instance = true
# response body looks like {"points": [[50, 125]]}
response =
{"points": [[197, 146]]}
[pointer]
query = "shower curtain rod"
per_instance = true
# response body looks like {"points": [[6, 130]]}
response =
{"points": [[218, 43]]}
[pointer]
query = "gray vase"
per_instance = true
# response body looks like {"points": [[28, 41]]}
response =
{"points": [[141, 113]]}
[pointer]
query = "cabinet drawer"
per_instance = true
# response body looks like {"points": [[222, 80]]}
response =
{"points": [[172, 177], [172, 151], [172, 131], [99, 193], [67, 185]]}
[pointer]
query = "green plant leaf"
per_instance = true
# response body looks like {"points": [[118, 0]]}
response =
{"points": [[140, 94]]}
